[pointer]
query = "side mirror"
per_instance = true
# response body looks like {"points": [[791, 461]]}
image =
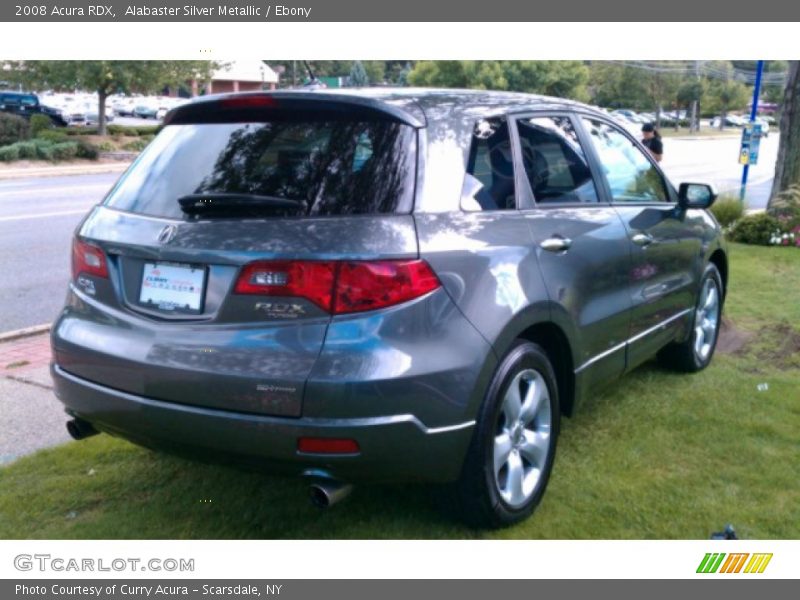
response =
{"points": [[696, 195]]}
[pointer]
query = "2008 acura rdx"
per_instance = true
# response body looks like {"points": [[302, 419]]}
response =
{"points": [[382, 285]]}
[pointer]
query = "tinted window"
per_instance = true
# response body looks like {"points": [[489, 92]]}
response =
{"points": [[17, 99], [331, 167], [554, 161], [630, 174], [489, 183]]}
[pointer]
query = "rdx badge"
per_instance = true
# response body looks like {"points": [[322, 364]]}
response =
{"points": [[281, 310]]}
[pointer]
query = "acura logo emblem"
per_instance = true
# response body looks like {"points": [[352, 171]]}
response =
{"points": [[166, 235]]}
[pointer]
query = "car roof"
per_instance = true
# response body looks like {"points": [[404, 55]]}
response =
{"points": [[443, 103], [415, 106]]}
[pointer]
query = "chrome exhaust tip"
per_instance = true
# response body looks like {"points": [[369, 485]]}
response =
{"points": [[80, 429], [325, 494]]}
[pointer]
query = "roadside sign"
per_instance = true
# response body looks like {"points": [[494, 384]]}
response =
{"points": [[751, 139]]}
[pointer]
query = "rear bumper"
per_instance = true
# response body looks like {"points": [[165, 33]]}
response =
{"points": [[392, 448]]}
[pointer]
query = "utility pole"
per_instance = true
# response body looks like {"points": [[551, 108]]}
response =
{"points": [[695, 122], [753, 113]]}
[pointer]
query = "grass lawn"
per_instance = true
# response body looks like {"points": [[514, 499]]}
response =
{"points": [[659, 455]]}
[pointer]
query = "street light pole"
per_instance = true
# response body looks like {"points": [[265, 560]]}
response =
{"points": [[753, 113]]}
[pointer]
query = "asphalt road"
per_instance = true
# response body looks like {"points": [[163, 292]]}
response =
{"points": [[715, 161], [37, 219], [39, 215]]}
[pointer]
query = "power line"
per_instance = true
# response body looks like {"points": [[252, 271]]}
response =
{"points": [[705, 69]]}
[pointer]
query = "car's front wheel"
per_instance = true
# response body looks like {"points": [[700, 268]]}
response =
{"points": [[511, 455], [695, 353]]}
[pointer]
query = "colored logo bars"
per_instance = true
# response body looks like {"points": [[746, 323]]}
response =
{"points": [[718, 563]]}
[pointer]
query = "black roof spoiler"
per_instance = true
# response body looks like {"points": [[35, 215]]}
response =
{"points": [[254, 105]]}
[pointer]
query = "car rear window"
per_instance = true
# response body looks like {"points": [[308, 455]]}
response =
{"points": [[333, 166]]}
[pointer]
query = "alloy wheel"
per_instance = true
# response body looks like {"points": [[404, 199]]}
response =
{"points": [[522, 438], [706, 320]]}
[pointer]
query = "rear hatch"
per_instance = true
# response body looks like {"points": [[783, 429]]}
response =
{"points": [[209, 274]]}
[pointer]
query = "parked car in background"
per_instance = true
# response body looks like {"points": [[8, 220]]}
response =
{"points": [[383, 285], [626, 114], [91, 112], [730, 121], [124, 107], [764, 126], [145, 111], [26, 105]]}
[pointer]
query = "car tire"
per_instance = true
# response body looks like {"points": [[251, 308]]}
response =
{"points": [[508, 463], [695, 353]]}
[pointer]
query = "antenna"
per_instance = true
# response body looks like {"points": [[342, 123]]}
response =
{"points": [[310, 71]]}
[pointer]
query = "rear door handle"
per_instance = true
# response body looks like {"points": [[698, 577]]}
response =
{"points": [[556, 244], [642, 239]]}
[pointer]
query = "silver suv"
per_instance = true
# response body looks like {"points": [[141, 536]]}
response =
{"points": [[385, 285]]}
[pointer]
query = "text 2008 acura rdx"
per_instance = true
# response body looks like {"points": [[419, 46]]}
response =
{"points": [[382, 285]]}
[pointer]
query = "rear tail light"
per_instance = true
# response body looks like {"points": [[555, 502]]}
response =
{"points": [[340, 287], [88, 260], [310, 280]]}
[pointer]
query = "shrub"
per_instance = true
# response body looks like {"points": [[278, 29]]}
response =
{"points": [[131, 131], [136, 145], [87, 150], [755, 229], [81, 131], [52, 135], [44, 151], [13, 129], [105, 146], [9, 153], [26, 150], [150, 130], [727, 210], [65, 150], [40, 123]]}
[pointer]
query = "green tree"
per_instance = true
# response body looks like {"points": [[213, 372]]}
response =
{"points": [[726, 95], [402, 75], [618, 86], [662, 91], [106, 77], [787, 166], [557, 78], [358, 75], [376, 71], [690, 94]]}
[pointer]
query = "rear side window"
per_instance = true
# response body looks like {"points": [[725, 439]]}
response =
{"points": [[489, 182], [329, 167], [554, 161]]}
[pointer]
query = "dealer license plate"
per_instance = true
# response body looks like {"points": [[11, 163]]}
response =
{"points": [[173, 287]]}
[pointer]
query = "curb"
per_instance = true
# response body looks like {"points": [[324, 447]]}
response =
{"points": [[115, 167], [25, 332]]}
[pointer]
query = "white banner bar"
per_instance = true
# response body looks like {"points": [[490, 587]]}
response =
{"points": [[392, 559]]}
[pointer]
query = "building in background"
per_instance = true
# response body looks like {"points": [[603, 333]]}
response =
{"points": [[238, 76]]}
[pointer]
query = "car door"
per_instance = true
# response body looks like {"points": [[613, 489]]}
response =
{"points": [[580, 241], [663, 245]]}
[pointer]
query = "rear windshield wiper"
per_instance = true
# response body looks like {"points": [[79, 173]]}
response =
{"points": [[236, 203]]}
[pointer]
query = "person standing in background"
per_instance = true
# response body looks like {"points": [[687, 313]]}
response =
{"points": [[652, 141]]}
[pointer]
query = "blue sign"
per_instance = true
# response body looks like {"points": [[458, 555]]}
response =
{"points": [[751, 139]]}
